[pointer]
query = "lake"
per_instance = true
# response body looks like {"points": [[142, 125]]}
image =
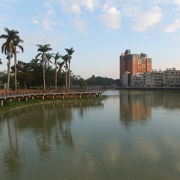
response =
{"points": [[128, 135]]}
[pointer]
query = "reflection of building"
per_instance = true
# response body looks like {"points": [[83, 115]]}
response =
{"points": [[137, 105], [133, 107], [134, 64]]}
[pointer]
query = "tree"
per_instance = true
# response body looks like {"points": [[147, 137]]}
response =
{"points": [[69, 54], [65, 59], [49, 56], [8, 48], [82, 83], [60, 70], [24, 74], [57, 56], [43, 49], [16, 45]]}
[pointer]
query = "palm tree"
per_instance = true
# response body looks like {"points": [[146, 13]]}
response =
{"points": [[60, 67], [49, 56], [8, 49], [56, 57], [43, 49], [65, 59], [69, 53], [16, 45]]}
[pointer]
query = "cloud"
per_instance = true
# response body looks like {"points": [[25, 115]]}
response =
{"points": [[111, 17], [73, 9], [35, 21], [80, 24], [46, 19], [47, 24], [90, 4], [74, 6], [51, 13], [173, 27], [143, 21], [177, 2]]}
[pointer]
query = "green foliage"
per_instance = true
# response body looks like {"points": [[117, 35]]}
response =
{"points": [[30, 75], [100, 81], [2, 79], [82, 83]]}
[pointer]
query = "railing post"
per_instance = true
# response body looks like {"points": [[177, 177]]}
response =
{"points": [[2, 102]]}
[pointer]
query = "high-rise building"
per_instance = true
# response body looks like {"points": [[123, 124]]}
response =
{"points": [[134, 64]]}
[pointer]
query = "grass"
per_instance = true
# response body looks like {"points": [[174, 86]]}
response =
{"points": [[15, 104]]}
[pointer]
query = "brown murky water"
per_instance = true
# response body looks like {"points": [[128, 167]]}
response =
{"points": [[130, 135]]}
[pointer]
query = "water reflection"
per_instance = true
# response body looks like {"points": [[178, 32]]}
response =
{"points": [[136, 106], [50, 125], [84, 139], [11, 156]]}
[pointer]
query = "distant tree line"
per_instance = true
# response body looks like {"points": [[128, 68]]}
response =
{"points": [[30, 76], [100, 81]]}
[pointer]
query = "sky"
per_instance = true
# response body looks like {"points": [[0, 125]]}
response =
{"points": [[98, 30]]}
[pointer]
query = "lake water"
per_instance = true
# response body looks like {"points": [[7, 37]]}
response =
{"points": [[129, 135]]}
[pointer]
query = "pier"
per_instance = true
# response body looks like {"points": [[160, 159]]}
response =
{"points": [[10, 96]]}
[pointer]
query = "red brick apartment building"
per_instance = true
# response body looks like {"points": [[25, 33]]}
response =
{"points": [[134, 63]]}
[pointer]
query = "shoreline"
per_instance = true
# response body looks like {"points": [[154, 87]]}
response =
{"points": [[153, 88], [17, 105]]}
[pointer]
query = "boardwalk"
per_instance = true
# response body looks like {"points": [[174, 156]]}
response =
{"points": [[40, 94]]}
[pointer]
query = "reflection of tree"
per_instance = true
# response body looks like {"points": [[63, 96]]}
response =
{"points": [[50, 124], [12, 156]]}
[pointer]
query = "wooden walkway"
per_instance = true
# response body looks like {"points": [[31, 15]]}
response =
{"points": [[9, 96]]}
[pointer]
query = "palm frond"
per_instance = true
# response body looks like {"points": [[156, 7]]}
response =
{"points": [[21, 48], [3, 36], [38, 55], [3, 47]]}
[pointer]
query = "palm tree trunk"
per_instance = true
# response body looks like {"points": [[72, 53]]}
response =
{"points": [[15, 71], [8, 72], [44, 76], [56, 76], [66, 80], [69, 80], [66, 77]]}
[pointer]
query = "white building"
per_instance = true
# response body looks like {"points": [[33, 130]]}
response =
{"points": [[167, 78], [137, 80], [171, 77], [153, 79], [126, 79]]}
